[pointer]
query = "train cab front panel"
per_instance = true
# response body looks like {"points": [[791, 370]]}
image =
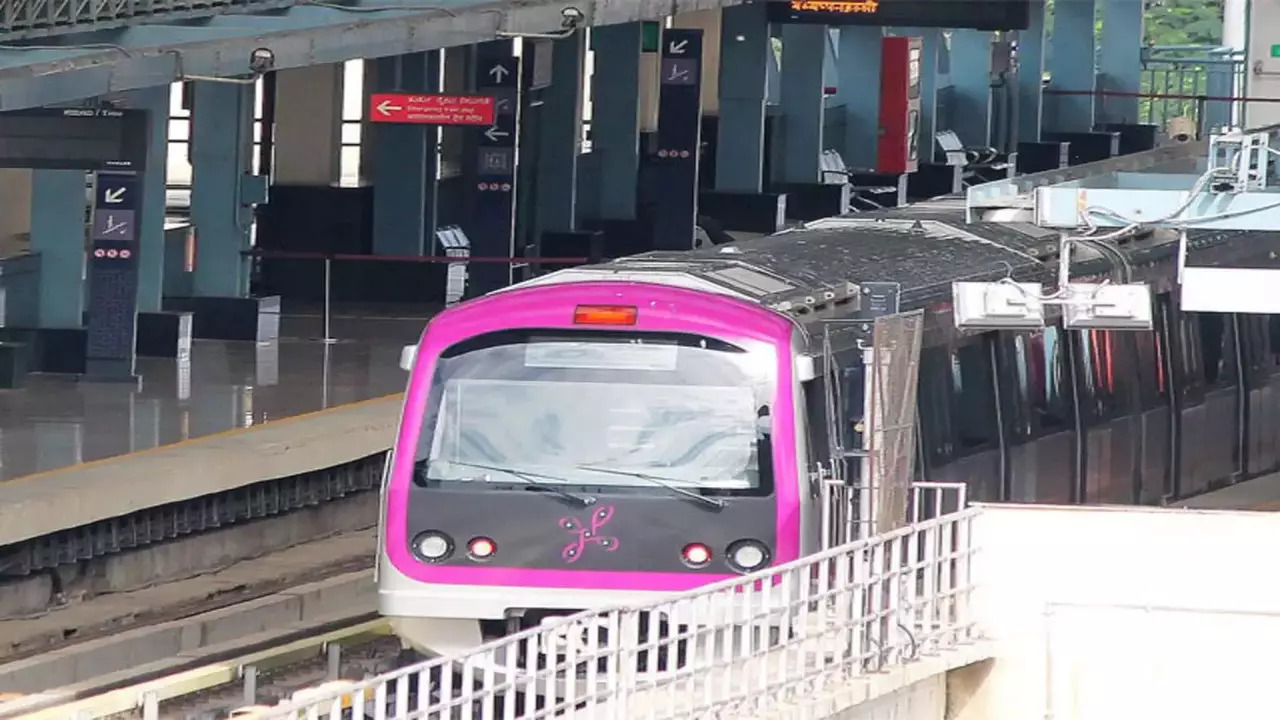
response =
{"points": [[576, 445]]}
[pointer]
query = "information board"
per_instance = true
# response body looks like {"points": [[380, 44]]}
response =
{"points": [[113, 276], [423, 109], [967, 14], [74, 139]]}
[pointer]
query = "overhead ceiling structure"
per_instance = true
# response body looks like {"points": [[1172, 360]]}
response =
{"points": [[62, 51]]}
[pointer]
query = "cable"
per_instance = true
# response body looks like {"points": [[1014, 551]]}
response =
{"points": [[380, 8]]}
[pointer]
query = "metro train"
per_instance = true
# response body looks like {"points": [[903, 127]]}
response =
{"points": [[612, 432]]}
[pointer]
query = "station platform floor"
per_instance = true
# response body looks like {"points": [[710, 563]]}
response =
{"points": [[57, 422]]}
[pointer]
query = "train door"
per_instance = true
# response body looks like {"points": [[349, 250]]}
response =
{"points": [[974, 449], [1209, 386], [1259, 336], [1152, 372], [1110, 415], [1039, 416]]}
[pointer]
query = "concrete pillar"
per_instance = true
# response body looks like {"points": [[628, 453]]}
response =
{"points": [[1031, 45], [931, 42], [560, 137], [803, 47], [743, 78], [58, 235], [615, 121], [859, 92], [971, 78], [15, 208], [1072, 65], [221, 139], [308, 133], [1120, 58], [151, 221], [405, 161]]}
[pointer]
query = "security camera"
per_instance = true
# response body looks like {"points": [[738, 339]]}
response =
{"points": [[262, 60], [571, 18]]}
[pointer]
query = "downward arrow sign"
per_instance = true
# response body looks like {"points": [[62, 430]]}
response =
{"points": [[494, 133], [114, 196], [386, 108], [677, 48]]}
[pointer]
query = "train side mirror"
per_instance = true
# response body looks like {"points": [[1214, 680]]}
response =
{"points": [[408, 354]]}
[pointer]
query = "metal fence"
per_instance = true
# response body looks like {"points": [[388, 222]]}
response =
{"points": [[773, 641], [1205, 84], [894, 366]]}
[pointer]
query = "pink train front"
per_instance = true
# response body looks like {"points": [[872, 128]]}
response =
{"points": [[591, 437]]}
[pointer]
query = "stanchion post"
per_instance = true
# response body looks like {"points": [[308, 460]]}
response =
{"points": [[328, 284]]}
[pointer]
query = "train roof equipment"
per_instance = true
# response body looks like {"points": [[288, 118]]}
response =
{"points": [[1228, 182]]}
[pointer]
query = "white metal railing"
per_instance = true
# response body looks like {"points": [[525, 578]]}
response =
{"points": [[846, 509], [767, 642]]}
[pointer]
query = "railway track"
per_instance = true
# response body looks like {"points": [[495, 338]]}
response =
{"points": [[257, 673]]}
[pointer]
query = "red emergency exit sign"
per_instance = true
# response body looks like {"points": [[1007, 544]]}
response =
{"points": [[431, 109]]}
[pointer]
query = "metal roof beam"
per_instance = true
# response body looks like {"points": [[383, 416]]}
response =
{"points": [[96, 64]]}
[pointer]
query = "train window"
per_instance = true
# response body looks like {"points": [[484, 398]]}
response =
{"points": [[1217, 348], [1047, 376], [933, 399], [973, 401], [1255, 342], [1016, 384], [1187, 357], [815, 401], [1152, 387], [1273, 335]]}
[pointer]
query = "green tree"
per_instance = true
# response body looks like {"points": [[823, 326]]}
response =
{"points": [[1185, 22]]}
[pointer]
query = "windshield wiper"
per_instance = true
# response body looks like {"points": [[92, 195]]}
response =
{"points": [[527, 478], [716, 503]]}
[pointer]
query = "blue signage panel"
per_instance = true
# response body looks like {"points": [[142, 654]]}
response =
{"points": [[490, 225], [113, 276], [679, 137]]}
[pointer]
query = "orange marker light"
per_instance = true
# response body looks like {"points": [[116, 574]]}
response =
{"points": [[604, 315]]}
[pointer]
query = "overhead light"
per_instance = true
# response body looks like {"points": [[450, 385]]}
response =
{"points": [[997, 305], [1092, 306]]}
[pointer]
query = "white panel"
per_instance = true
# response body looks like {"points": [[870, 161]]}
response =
{"points": [[1230, 290], [1262, 72]]}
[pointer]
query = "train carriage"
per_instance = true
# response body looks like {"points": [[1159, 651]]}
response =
{"points": [[613, 432]]}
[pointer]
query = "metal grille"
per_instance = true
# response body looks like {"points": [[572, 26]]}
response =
{"points": [[895, 362]]}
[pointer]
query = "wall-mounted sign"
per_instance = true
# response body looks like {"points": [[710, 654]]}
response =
{"points": [[967, 14], [74, 139]]}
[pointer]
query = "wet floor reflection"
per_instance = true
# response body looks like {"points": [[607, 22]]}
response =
{"points": [[57, 421]]}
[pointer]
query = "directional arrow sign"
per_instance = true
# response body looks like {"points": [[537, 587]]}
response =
{"points": [[494, 133], [498, 72], [431, 109], [677, 47], [385, 108], [113, 196]]}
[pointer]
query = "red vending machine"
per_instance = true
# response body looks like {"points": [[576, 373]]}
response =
{"points": [[898, 150]]}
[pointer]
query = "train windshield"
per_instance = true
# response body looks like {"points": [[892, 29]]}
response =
{"points": [[600, 408]]}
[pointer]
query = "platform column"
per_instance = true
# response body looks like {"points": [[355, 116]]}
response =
{"points": [[405, 173], [971, 78], [858, 90], [615, 116], [151, 219], [1031, 45], [1120, 59], [745, 47], [803, 47], [58, 235], [308, 127], [221, 138], [15, 204], [1072, 66], [560, 135]]}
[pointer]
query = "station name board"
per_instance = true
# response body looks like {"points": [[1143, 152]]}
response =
{"points": [[966, 14]]}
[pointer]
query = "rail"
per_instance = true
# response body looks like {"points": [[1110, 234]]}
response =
{"points": [[147, 697], [769, 641]]}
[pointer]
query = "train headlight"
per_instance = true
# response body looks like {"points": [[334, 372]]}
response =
{"points": [[481, 548], [696, 555], [748, 555], [433, 546]]}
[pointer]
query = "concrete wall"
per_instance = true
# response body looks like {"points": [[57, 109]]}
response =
{"points": [[1102, 613], [924, 700]]}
